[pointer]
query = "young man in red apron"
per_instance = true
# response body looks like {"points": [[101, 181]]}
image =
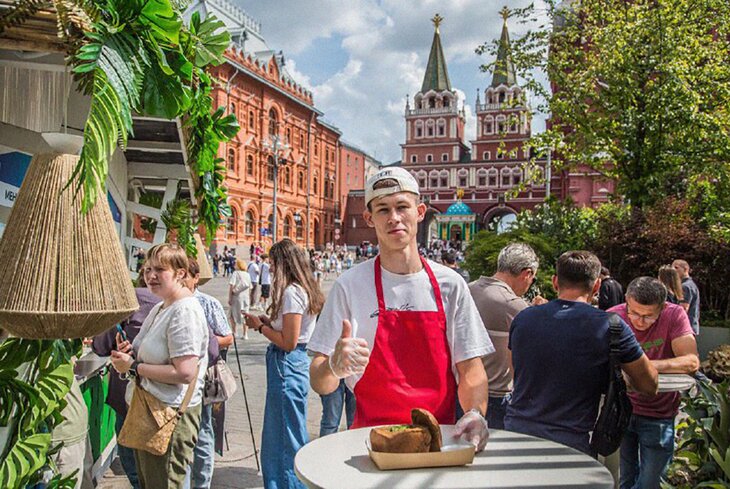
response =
{"points": [[403, 331]]}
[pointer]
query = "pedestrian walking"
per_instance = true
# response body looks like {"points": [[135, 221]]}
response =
{"points": [[239, 298], [296, 301]]}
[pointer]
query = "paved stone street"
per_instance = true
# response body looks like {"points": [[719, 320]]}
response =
{"points": [[237, 467]]}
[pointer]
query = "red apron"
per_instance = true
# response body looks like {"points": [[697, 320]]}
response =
{"points": [[410, 365]]}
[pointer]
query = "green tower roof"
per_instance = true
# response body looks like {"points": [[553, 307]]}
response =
{"points": [[504, 70], [437, 76]]}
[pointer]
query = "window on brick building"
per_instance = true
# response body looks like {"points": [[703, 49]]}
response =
{"points": [[414, 159], [270, 169], [506, 181], [487, 155], [273, 122], [287, 227], [429, 158], [315, 186], [444, 177], [233, 109], [270, 223], [287, 176], [445, 157], [316, 149], [301, 180], [493, 177], [301, 141], [442, 128], [288, 134], [462, 181], [434, 181], [300, 229], [232, 222], [251, 121], [249, 223], [231, 159], [249, 165], [482, 180], [332, 190]]}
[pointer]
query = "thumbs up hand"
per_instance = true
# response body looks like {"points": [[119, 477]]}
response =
{"points": [[351, 355]]}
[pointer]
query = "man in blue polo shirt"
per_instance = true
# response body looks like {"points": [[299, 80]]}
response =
{"points": [[560, 354]]}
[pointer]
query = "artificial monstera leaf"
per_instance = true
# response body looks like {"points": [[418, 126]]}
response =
{"points": [[159, 16], [208, 40], [163, 95], [225, 127]]}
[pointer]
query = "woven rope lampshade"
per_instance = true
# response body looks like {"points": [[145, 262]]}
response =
{"points": [[206, 272], [63, 274]]}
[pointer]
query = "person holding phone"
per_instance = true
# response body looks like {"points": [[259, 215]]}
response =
{"points": [[295, 302], [171, 347], [103, 345]]}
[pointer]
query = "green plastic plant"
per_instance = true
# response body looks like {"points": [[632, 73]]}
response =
{"points": [[702, 455], [35, 376], [138, 56]]}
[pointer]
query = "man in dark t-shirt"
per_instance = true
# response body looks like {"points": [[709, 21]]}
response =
{"points": [[560, 356], [611, 292]]}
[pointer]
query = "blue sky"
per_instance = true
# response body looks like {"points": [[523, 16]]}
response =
{"points": [[361, 57]]}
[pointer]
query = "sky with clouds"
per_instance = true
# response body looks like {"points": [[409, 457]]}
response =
{"points": [[361, 57]]}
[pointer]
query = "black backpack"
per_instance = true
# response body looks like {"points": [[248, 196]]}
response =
{"points": [[616, 410]]}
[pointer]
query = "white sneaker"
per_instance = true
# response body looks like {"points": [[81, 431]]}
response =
{"points": [[245, 337]]}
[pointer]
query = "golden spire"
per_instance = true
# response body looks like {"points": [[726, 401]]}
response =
{"points": [[437, 19], [504, 13], [460, 194]]}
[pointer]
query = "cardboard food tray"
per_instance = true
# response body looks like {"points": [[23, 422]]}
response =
{"points": [[454, 453]]}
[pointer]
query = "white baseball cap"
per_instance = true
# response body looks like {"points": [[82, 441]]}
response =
{"points": [[403, 178]]}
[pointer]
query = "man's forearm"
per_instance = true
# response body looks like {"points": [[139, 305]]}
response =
{"points": [[473, 385], [321, 377], [685, 364]]}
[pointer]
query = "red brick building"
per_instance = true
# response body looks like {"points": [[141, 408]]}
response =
{"points": [[315, 171]]}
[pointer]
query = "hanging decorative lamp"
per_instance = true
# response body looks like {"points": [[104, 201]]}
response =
{"points": [[63, 273]]}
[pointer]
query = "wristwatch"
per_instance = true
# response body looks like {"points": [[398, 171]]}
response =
{"points": [[132, 372]]}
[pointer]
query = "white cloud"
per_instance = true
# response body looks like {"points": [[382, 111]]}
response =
{"points": [[386, 45]]}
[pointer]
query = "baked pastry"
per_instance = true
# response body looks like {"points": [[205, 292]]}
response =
{"points": [[422, 435], [400, 438], [421, 417]]}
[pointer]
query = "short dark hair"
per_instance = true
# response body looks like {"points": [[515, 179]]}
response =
{"points": [[578, 270], [448, 257], [647, 291], [605, 272]]}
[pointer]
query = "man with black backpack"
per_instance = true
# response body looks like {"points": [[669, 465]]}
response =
{"points": [[560, 356], [665, 334]]}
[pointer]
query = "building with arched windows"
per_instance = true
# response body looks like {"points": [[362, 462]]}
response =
{"points": [[497, 174], [315, 170]]}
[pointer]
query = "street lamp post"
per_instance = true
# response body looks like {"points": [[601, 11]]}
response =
{"points": [[277, 145]]}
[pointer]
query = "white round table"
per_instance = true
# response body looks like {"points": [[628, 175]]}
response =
{"points": [[511, 460], [675, 382]]}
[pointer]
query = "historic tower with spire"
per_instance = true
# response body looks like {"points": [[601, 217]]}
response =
{"points": [[503, 120], [435, 124]]}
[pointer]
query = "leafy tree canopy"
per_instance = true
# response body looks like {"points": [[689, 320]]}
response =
{"points": [[640, 91]]}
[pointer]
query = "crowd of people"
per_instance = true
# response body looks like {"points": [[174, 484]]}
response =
{"points": [[474, 353]]}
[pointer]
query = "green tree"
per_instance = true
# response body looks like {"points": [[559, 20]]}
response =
{"points": [[640, 91]]}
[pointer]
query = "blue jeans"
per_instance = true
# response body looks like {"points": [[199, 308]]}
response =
{"points": [[285, 415], [204, 451], [496, 410], [126, 456], [332, 409], [646, 451]]}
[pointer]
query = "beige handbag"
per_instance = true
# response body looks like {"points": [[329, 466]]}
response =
{"points": [[220, 384], [150, 422]]}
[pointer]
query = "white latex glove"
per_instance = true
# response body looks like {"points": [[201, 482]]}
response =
{"points": [[473, 427], [351, 355]]}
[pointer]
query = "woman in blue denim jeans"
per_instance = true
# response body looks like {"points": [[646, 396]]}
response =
{"points": [[295, 302]]}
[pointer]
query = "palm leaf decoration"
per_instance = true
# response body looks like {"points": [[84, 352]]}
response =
{"points": [[21, 12], [177, 217]]}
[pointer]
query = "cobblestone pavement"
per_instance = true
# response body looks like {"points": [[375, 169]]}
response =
{"points": [[237, 467]]}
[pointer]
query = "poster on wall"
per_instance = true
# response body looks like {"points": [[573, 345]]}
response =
{"points": [[13, 165]]}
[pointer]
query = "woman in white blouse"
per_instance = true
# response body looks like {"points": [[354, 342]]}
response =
{"points": [[171, 347]]}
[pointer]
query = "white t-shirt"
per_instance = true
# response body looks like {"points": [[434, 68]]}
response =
{"points": [[253, 272], [265, 274], [353, 297], [175, 331], [295, 301]]}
